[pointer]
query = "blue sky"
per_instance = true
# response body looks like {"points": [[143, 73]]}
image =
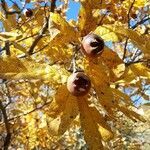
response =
{"points": [[73, 10]]}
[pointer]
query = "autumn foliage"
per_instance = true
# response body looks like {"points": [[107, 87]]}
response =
{"points": [[58, 74]]}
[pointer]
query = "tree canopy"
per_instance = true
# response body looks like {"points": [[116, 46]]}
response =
{"points": [[40, 48]]}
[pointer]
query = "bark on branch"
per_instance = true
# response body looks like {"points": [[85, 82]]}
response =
{"points": [[44, 29], [8, 135]]}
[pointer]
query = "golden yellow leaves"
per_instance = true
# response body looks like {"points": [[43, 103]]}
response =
{"points": [[14, 68], [137, 3], [89, 126], [11, 36], [60, 30], [101, 121], [106, 34], [114, 63], [140, 70], [70, 112], [66, 108], [132, 72], [11, 65], [86, 22], [63, 110], [137, 39], [106, 70]]}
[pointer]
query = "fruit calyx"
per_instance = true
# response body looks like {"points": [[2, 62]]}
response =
{"points": [[78, 84]]}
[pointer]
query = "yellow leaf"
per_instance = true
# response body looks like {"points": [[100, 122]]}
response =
{"points": [[58, 104], [33, 70], [106, 34], [119, 95], [97, 71], [69, 113], [16, 111], [140, 70], [107, 101], [127, 77], [11, 65], [64, 27], [10, 22], [53, 125], [131, 114], [63, 110], [11, 36], [53, 30], [87, 22], [89, 126], [137, 3], [137, 39], [103, 127], [100, 79], [19, 47], [114, 63], [110, 58]]}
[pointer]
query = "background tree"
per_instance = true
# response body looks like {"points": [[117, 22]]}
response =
{"points": [[106, 52]]}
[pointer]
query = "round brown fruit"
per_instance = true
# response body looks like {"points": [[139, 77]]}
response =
{"points": [[28, 12], [92, 45], [78, 84], [133, 16]]}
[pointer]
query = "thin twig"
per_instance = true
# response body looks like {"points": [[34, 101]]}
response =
{"points": [[35, 109], [37, 39], [138, 61], [4, 48], [53, 5], [128, 15], [125, 49], [140, 22], [7, 47], [102, 18], [3, 4], [8, 94], [127, 39], [24, 55]]}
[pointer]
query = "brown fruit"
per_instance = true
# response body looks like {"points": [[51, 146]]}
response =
{"points": [[28, 12], [133, 16], [92, 45], [78, 84]]}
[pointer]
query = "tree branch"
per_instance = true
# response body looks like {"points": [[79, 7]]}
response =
{"points": [[140, 22], [128, 15], [102, 18], [53, 5], [125, 48], [7, 48], [8, 136], [44, 29], [3, 4]]}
